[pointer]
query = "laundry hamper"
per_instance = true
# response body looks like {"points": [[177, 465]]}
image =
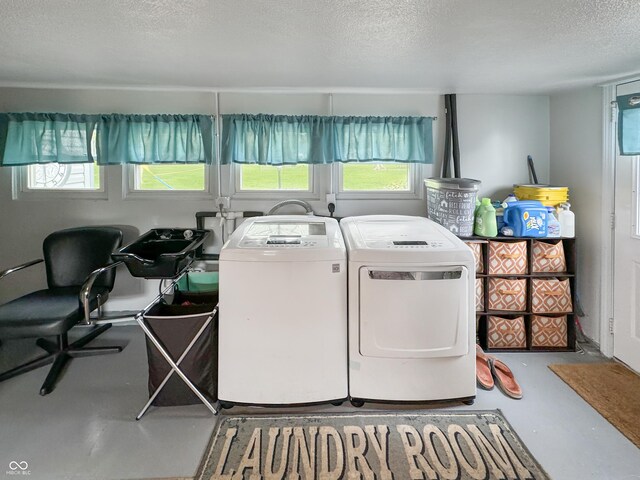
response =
{"points": [[451, 202], [175, 326]]}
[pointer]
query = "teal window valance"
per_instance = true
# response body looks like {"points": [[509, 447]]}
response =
{"points": [[629, 124], [29, 138], [397, 139], [153, 139], [275, 139], [289, 140]]}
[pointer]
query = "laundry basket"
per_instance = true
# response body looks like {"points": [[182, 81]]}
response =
{"points": [[451, 203], [175, 326]]}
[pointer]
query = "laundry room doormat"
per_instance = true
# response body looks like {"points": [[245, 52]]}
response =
{"points": [[376, 445], [612, 389]]}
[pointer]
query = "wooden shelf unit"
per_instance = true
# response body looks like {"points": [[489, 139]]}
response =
{"points": [[569, 246]]}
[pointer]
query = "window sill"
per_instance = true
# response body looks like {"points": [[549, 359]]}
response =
{"points": [[275, 195], [378, 195], [168, 195], [53, 195]]}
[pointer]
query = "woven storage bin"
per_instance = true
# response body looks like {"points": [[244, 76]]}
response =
{"points": [[477, 254], [479, 295], [548, 257], [551, 296], [508, 258], [549, 331], [506, 332], [507, 294]]}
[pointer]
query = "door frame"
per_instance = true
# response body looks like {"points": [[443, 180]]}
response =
{"points": [[607, 216], [607, 212]]}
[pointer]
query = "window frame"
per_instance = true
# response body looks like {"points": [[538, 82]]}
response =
{"points": [[415, 192], [21, 191], [239, 194], [129, 192]]}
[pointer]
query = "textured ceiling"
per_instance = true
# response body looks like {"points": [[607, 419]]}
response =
{"points": [[464, 46]]}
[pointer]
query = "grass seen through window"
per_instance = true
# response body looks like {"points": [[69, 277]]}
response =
{"points": [[356, 177], [269, 177], [375, 177], [170, 177]]}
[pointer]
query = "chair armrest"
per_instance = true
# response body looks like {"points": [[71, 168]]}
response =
{"points": [[88, 285], [11, 270]]}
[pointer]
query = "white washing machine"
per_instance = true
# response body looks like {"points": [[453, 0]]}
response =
{"points": [[411, 310], [283, 312]]}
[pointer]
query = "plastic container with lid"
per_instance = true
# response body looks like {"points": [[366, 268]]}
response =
{"points": [[549, 195]]}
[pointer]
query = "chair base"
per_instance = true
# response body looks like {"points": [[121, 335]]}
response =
{"points": [[59, 353]]}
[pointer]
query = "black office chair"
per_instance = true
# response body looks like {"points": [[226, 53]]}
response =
{"points": [[80, 276]]}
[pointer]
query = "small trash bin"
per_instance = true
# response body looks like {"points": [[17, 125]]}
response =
{"points": [[176, 326], [197, 281], [451, 202], [196, 288]]}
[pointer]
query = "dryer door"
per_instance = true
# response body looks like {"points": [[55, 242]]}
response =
{"points": [[420, 312]]}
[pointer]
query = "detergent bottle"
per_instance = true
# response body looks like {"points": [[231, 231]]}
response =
{"points": [[485, 225], [553, 224], [527, 218], [567, 221], [510, 198]]}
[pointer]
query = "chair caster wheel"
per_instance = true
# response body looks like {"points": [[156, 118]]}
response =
{"points": [[356, 402], [226, 405], [469, 402], [337, 403]]}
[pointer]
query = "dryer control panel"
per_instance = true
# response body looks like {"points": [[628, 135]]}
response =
{"points": [[402, 235], [408, 244]]}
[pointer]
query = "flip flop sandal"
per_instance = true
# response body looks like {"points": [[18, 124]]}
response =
{"points": [[504, 379], [483, 370]]}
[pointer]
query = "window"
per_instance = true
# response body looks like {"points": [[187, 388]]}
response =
{"points": [[376, 177], [171, 177], [266, 178], [63, 176], [58, 181]]}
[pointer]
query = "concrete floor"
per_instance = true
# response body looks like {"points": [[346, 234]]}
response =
{"points": [[86, 428]]}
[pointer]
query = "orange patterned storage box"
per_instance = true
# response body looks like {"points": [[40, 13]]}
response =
{"points": [[507, 294], [548, 257], [508, 258], [479, 295], [476, 247], [551, 296], [506, 333], [549, 331]]}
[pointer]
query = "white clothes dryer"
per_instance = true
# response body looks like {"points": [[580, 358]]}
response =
{"points": [[283, 312], [411, 311]]}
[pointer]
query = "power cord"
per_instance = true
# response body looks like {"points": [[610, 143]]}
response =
{"points": [[332, 208]]}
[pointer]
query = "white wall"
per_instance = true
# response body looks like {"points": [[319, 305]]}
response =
{"points": [[496, 134], [576, 161]]}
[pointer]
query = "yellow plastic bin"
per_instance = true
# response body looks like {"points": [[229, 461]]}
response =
{"points": [[549, 195]]}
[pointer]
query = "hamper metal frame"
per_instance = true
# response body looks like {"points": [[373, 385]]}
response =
{"points": [[175, 366]]}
